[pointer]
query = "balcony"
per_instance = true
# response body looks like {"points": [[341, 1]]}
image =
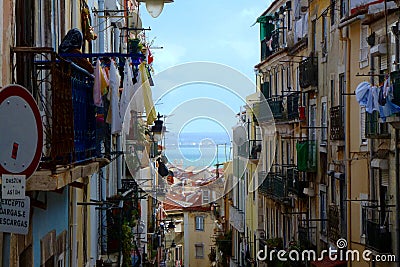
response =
{"points": [[262, 111], [333, 223], [337, 122], [265, 49], [273, 186], [269, 46], [63, 91], [306, 156], [374, 128], [292, 104], [250, 149], [266, 90], [294, 185], [378, 234], [276, 106], [308, 71]]}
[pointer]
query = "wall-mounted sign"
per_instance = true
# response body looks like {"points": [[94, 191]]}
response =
{"points": [[13, 186], [14, 215]]}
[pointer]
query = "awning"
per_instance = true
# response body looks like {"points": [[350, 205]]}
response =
{"points": [[327, 262]]}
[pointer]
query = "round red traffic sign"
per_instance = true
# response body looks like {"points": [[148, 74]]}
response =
{"points": [[21, 132]]}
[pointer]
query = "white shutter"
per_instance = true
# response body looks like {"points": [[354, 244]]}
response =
{"points": [[383, 62], [385, 177], [363, 43], [362, 125]]}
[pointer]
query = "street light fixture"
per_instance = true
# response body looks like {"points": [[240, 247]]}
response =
{"points": [[158, 128], [155, 7]]}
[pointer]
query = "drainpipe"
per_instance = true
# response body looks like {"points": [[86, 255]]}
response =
{"points": [[347, 133]]}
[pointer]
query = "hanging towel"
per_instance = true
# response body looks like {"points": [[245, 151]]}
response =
{"points": [[137, 104], [98, 76], [127, 95], [116, 122], [147, 95], [362, 93], [372, 104]]}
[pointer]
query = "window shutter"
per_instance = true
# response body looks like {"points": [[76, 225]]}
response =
{"points": [[363, 43], [362, 125], [384, 62], [385, 177]]}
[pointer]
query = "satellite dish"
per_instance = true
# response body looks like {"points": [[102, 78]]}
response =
{"points": [[239, 135], [154, 7], [135, 22], [21, 131]]}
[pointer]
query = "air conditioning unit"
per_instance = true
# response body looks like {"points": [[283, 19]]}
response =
{"points": [[377, 50]]}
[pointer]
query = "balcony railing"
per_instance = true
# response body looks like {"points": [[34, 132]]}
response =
{"points": [[266, 49], [337, 122], [308, 71], [276, 106], [292, 104], [64, 93], [250, 149], [378, 234], [306, 156], [262, 111], [270, 46], [374, 128], [294, 185], [273, 186], [333, 222]]}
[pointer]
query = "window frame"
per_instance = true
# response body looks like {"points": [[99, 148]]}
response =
{"points": [[199, 225], [197, 246]]}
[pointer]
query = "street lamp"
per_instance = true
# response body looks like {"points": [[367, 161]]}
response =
{"points": [[155, 7], [157, 129]]}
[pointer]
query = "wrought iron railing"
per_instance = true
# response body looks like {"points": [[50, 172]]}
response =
{"points": [[250, 149], [273, 186], [374, 128], [64, 95], [292, 104], [262, 111], [378, 234], [308, 71], [276, 106], [333, 222], [337, 122], [294, 184]]}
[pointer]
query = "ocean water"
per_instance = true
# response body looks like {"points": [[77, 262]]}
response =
{"points": [[197, 149]]}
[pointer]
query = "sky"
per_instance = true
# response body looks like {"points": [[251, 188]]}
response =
{"points": [[204, 30]]}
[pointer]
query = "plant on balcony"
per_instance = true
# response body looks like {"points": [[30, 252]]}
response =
{"points": [[224, 244], [126, 244]]}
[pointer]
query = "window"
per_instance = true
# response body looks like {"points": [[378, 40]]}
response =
{"points": [[312, 117], [313, 35], [364, 49], [324, 41], [332, 92], [178, 253], [199, 223], [288, 79], [322, 206], [333, 189], [206, 196], [199, 251], [324, 124], [332, 11], [362, 126], [282, 81], [276, 83], [343, 8]]}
